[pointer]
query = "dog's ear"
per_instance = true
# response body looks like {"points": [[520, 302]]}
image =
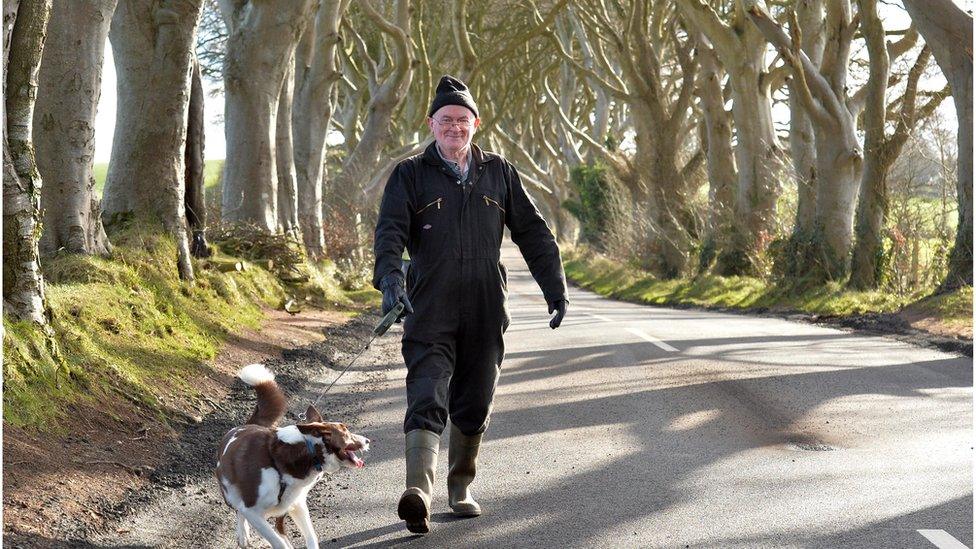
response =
{"points": [[312, 415]]}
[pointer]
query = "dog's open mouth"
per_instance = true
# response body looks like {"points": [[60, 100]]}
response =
{"points": [[348, 454]]}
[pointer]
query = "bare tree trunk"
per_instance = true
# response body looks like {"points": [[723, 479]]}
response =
{"points": [[742, 48], [948, 30], [825, 255], [195, 203], [23, 284], [345, 199], [260, 47], [64, 125], [285, 159], [809, 15], [880, 151], [152, 43], [720, 161]]}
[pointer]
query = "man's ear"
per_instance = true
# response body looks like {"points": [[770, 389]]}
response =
{"points": [[312, 415]]}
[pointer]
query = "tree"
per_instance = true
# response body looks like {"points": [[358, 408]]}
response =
{"points": [[195, 203], [261, 42], [316, 73], [388, 80], [741, 49], [641, 39], [23, 43], [824, 252], [152, 42], [948, 30], [64, 125], [716, 139], [881, 150]]}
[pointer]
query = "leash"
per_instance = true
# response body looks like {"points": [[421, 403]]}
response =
{"points": [[380, 329]]}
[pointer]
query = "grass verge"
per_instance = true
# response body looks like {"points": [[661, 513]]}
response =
{"points": [[595, 272], [127, 326]]}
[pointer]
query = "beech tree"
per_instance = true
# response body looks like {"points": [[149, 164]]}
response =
{"points": [[64, 125], [195, 204], [881, 150], [152, 42], [24, 28], [822, 90], [261, 42], [316, 74], [741, 49], [948, 30]]}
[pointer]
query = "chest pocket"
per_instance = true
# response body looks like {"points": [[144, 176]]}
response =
{"points": [[431, 223], [492, 217]]}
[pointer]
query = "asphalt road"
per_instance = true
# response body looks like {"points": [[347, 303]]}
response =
{"points": [[633, 426]]}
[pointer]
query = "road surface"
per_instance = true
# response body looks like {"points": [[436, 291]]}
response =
{"points": [[633, 426]]}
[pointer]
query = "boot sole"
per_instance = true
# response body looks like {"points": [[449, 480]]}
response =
{"points": [[412, 510]]}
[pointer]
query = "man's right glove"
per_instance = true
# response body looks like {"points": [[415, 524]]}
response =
{"points": [[560, 308], [393, 293]]}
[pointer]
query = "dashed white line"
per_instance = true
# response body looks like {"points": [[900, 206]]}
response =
{"points": [[651, 339], [942, 539]]}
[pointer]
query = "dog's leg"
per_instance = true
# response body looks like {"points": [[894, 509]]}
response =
{"points": [[299, 514], [267, 532], [243, 530]]}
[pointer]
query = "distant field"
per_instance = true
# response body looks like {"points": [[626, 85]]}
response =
{"points": [[211, 174]]}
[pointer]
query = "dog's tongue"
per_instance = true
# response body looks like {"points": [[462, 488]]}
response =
{"points": [[351, 455]]}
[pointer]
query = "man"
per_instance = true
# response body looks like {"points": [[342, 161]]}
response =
{"points": [[448, 206]]}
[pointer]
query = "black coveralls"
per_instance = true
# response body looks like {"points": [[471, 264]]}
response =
{"points": [[452, 343]]}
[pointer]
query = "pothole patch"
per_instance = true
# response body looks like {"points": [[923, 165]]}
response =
{"points": [[807, 443]]}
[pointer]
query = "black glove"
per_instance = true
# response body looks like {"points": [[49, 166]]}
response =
{"points": [[560, 308], [393, 293]]}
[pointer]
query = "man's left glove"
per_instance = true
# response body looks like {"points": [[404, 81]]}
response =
{"points": [[393, 293], [560, 308]]}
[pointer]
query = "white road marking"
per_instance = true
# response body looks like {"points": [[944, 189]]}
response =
{"points": [[599, 317], [942, 539], [651, 339]]}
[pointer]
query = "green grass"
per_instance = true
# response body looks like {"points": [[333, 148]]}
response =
{"points": [[211, 174], [612, 279], [125, 326]]}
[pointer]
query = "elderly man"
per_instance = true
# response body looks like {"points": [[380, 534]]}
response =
{"points": [[448, 206]]}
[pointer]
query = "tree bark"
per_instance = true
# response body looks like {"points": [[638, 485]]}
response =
{"points": [[719, 156], [825, 253], [285, 158], [23, 284], [948, 30], [64, 125], [386, 94], [261, 45], [742, 49], [152, 42], [195, 199]]}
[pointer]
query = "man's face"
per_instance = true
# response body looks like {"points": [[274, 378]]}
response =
{"points": [[453, 126]]}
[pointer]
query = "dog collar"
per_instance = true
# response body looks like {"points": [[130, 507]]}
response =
{"points": [[316, 462]]}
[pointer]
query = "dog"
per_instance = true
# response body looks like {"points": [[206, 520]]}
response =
{"points": [[267, 471]]}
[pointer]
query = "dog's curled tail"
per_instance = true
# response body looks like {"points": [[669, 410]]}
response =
{"points": [[271, 401]]}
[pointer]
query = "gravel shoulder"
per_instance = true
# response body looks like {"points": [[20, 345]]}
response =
{"points": [[160, 491]]}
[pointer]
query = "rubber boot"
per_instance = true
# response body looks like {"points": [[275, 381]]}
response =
{"points": [[463, 460], [421, 459]]}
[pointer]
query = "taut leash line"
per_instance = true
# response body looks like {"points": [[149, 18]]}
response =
{"points": [[381, 329]]}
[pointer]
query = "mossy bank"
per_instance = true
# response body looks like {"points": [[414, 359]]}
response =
{"points": [[125, 329], [590, 270]]}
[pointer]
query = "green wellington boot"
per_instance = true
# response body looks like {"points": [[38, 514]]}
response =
{"points": [[421, 459], [463, 460]]}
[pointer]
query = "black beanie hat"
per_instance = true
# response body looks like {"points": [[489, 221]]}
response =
{"points": [[451, 91]]}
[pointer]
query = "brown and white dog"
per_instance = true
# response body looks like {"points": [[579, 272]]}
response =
{"points": [[267, 471]]}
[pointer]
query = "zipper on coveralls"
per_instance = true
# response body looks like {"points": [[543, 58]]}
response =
{"points": [[438, 202], [489, 202]]}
